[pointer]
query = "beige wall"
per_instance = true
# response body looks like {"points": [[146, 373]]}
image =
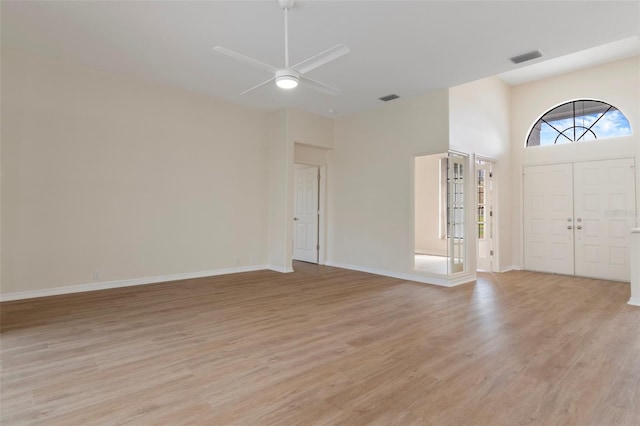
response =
{"points": [[479, 120], [370, 180], [304, 154], [310, 129], [280, 232], [427, 206], [617, 83], [124, 178], [313, 136]]}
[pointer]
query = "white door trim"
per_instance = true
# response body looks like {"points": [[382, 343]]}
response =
{"points": [[322, 217]]}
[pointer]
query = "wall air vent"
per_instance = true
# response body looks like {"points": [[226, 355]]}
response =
{"points": [[526, 57], [389, 97]]}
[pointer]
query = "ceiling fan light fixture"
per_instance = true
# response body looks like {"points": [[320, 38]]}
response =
{"points": [[287, 79]]}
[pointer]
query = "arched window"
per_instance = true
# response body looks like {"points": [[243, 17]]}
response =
{"points": [[578, 121]]}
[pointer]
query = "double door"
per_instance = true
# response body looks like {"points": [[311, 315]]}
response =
{"points": [[577, 218]]}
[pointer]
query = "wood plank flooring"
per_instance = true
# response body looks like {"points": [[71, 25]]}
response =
{"points": [[325, 346]]}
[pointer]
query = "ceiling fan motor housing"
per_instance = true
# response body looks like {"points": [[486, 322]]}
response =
{"points": [[287, 79]]}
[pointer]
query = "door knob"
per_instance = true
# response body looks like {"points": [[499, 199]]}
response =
{"points": [[569, 227], [578, 227], [295, 218]]}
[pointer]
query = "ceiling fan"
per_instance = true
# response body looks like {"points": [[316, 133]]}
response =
{"points": [[289, 76]]}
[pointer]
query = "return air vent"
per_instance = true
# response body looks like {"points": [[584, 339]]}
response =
{"points": [[389, 97], [526, 57]]}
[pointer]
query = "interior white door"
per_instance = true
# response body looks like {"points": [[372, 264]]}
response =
{"points": [[548, 218], [605, 211], [484, 176], [305, 215]]}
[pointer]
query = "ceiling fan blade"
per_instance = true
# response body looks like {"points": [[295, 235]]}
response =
{"points": [[320, 87], [256, 86], [321, 58], [242, 58]]}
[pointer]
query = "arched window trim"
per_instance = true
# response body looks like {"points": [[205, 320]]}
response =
{"points": [[585, 130]]}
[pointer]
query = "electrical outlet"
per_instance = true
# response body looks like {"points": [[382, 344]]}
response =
{"points": [[96, 275], [237, 260], [252, 259]]}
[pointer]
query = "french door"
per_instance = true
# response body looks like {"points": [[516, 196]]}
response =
{"points": [[577, 218], [455, 213], [484, 248]]}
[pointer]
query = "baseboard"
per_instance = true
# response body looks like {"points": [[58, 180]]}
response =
{"points": [[462, 278], [126, 283], [635, 301], [444, 282], [510, 268], [282, 269]]}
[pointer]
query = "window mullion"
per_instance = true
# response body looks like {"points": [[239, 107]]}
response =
{"points": [[594, 123]]}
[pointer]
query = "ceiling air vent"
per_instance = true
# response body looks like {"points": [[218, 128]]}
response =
{"points": [[389, 97], [526, 57]]}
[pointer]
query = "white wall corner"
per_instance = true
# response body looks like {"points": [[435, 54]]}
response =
{"points": [[510, 268], [634, 301]]}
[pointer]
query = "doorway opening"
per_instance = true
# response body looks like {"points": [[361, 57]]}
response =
{"points": [[306, 214], [439, 216]]}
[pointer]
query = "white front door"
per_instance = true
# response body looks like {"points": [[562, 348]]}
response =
{"points": [[548, 218], [577, 218], [484, 176], [305, 215], [605, 210]]}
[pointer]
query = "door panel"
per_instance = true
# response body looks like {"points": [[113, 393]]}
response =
{"points": [[455, 193], [485, 215], [548, 219], [605, 209], [305, 231]]}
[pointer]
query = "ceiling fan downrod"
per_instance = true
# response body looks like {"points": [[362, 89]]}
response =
{"points": [[286, 78], [286, 5]]}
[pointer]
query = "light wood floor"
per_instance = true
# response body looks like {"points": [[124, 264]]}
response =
{"points": [[326, 346]]}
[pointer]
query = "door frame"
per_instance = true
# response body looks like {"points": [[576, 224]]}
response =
{"points": [[322, 216]]}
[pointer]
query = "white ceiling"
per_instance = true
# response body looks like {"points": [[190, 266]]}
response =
{"points": [[609, 52], [402, 47]]}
